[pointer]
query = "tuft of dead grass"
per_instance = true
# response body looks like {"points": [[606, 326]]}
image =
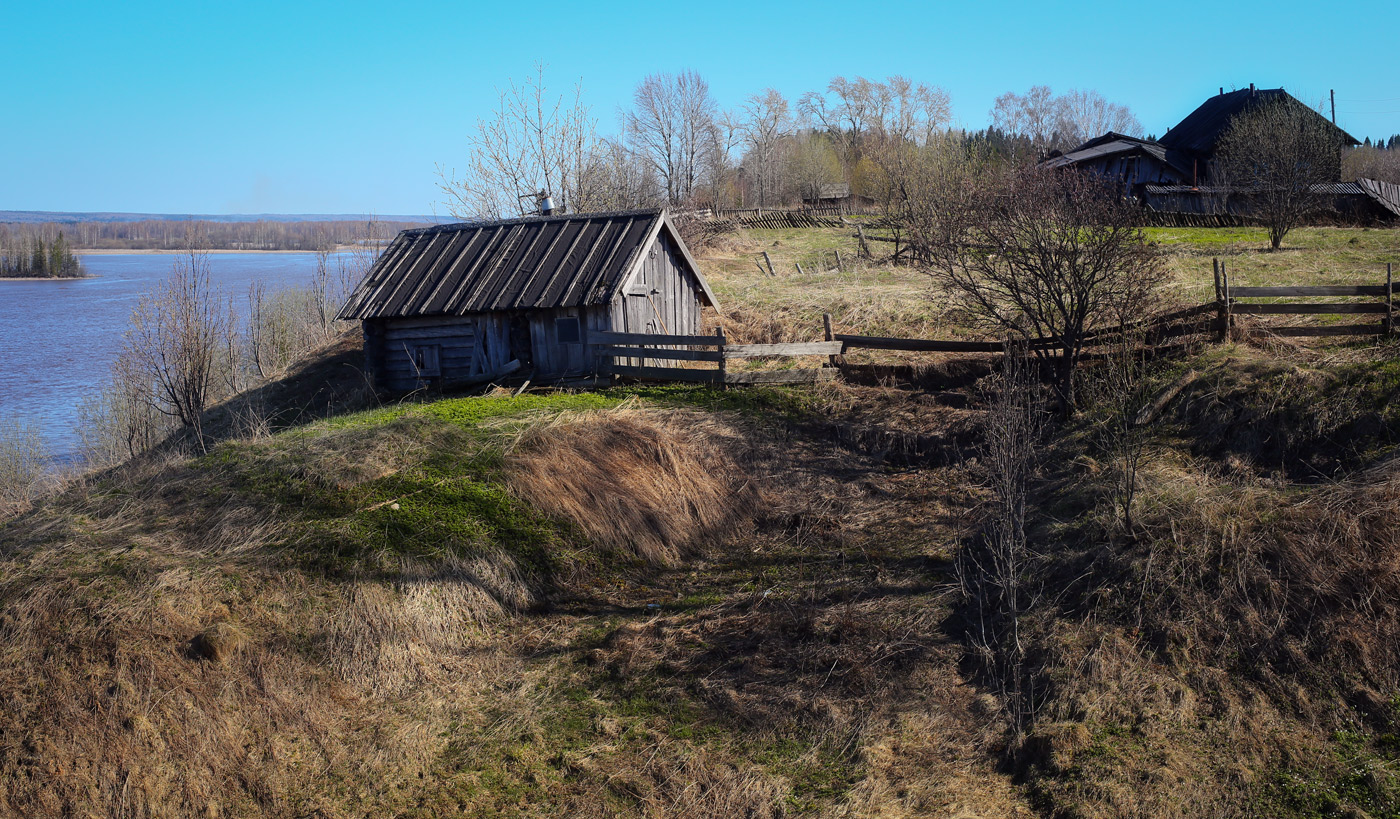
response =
{"points": [[646, 483]]}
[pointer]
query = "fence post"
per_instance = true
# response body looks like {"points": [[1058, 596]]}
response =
{"points": [[1389, 302], [1225, 288], [839, 266], [723, 364], [1220, 319], [836, 360], [769, 260]]}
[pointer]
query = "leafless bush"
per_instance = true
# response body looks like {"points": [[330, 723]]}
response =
{"points": [[1279, 153], [1044, 256], [177, 342], [120, 421], [282, 325], [994, 572], [24, 461]]}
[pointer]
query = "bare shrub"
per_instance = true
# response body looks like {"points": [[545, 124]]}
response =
{"points": [[1044, 256], [994, 572], [120, 421], [1279, 153], [284, 324], [24, 461], [650, 483], [177, 343]]}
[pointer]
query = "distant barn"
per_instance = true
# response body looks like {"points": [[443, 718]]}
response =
{"points": [[463, 303]]}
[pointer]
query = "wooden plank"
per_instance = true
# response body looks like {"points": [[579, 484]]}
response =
{"points": [[781, 376], [799, 348], [1329, 330], [651, 352], [1309, 309], [665, 373], [1317, 290], [920, 344], [449, 331], [654, 340]]}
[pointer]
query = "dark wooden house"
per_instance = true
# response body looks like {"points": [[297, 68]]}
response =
{"points": [[463, 303], [1131, 160], [1196, 138]]}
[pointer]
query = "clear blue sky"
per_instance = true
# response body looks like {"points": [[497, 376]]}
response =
{"points": [[347, 107]]}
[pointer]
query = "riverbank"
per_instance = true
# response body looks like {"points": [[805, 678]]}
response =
{"points": [[47, 278]]}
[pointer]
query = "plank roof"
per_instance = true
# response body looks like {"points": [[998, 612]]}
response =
{"points": [[538, 262], [1202, 128], [1111, 144]]}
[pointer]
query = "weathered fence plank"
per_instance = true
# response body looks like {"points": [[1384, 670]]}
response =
{"points": [[653, 352], [653, 339], [1309, 309], [1312, 290], [791, 349], [1328, 330]]}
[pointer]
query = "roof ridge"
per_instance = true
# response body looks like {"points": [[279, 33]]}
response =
{"points": [[563, 217]]}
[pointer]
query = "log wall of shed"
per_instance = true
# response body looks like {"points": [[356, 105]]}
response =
{"points": [[466, 347]]}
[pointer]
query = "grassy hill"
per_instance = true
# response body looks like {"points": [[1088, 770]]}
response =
{"points": [[677, 602]]}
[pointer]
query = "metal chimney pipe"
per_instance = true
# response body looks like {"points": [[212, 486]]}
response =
{"points": [[545, 204]]}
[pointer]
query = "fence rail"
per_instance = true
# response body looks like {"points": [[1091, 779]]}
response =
{"points": [[639, 350], [1228, 306], [646, 355]]}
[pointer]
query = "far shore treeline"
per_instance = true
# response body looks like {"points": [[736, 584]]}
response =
{"points": [[34, 256], [19, 238]]}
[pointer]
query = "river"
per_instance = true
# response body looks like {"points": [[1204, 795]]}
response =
{"points": [[58, 338]]}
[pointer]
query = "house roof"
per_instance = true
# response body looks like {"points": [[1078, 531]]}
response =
{"points": [[1112, 143], [832, 190], [1385, 194], [538, 262], [1203, 127]]}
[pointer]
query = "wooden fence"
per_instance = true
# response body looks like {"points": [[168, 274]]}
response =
{"points": [[1228, 305], [662, 357], [646, 355]]}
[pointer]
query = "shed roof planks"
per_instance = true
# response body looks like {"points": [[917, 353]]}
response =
{"points": [[513, 264]]}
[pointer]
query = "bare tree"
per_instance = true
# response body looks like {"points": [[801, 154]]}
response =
{"points": [[1277, 153], [896, 111], [1083, 115], [765, 123], [535, 141], [1064, 121], [810, 163], [1032, 115], [175, 342], [1043, 256], [844, 112], [673, 126]]}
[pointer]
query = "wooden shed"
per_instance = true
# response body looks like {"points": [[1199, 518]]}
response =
{"points": [[462, 303]]}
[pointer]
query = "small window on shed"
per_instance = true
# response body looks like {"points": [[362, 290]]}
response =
{"points": [[426, 361], [566, 330]]}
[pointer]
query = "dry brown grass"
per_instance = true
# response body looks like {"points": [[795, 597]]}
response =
{"points": [[646, 483]]}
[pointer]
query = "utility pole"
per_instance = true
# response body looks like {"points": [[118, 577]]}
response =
{"points": [[1333, 95]]}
